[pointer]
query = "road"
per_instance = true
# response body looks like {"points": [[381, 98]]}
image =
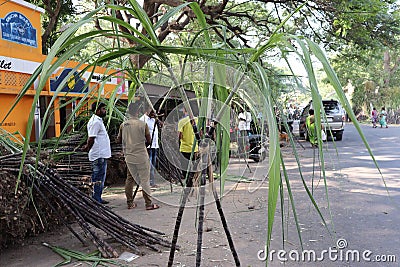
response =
{"points": [[365, 211]]}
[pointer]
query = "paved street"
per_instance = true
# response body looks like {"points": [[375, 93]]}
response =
{"points": [[365, 213]]}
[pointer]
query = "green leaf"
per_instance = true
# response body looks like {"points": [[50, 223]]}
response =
{"points": [[141, 15], [172, 12]]}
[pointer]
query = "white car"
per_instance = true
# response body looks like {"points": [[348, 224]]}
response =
{"points": [[333, 122]]}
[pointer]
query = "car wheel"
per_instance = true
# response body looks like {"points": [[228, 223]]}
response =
{"points": [[339, 136]]}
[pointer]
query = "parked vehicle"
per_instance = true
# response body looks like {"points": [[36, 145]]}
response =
{"points": [[333, 122], [258, 145], [254, 146]]}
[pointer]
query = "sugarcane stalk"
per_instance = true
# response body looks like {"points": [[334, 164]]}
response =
{"points": [[83, 208], [204, 149], [105, 249], [57, 211], [219, 208], [10, 156], [9, 169], [186, 192], [226, 229], [200, 223], [110, 231], [93, 237], [102, 210], [140, 236]]}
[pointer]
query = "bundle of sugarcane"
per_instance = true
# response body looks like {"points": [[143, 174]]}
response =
{"points": [[23, 212], [19, 218], [74, 165], [83, 208], [75, 168], [168, 170]]}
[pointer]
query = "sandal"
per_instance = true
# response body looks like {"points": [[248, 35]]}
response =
{"points": [[131, 206], [152, 207]]}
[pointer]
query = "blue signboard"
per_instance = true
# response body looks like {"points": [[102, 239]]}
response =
{"points": [[15, 27], [75, 83]]}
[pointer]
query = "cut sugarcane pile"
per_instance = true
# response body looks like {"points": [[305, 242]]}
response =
{"points": [[19, 218], [88, 213], [74, 165], [167, 169]]}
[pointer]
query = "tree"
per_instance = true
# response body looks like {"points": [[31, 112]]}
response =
{"points": [[58, 14], [370, 51], [330, 23]]}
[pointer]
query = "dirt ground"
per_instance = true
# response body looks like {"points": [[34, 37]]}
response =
{"points": [[361, 216]]}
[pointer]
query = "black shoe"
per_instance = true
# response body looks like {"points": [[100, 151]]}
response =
{"points": [[105, 202]]}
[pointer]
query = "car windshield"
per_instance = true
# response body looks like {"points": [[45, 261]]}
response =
{"points": [[331, 107]]}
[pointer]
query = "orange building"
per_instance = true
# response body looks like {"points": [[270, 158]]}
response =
{"points": [[20, 55]]}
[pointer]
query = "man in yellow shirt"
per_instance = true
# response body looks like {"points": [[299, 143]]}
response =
{"points": [[310, 126], [186, 140]]}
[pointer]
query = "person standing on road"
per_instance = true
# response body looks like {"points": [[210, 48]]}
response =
{"points": [[382, 118], [186, 140], [152, 123], [374, 117], [310, 125], [244, 124], [99, 148], [134, 135]]}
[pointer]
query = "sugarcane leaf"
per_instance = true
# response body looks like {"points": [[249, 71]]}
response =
{"points": [[69, 255], [275, 36], [334, 80], [223, 138], [65, 262], [145, 21], [293, 206], [140, 39], [274, 174], [202, 21], [172, 12]]}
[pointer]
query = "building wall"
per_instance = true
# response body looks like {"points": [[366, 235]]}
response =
{"points": [[21, 54], [19, 20], [18, 119]]}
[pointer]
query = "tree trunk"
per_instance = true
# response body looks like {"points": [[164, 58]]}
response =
{"points": [[388, 70], [53, 18]]}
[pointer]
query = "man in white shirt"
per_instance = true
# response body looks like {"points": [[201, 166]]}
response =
{"points": [[152, 149], [244, 124], [244, 130], [98, 146]]}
